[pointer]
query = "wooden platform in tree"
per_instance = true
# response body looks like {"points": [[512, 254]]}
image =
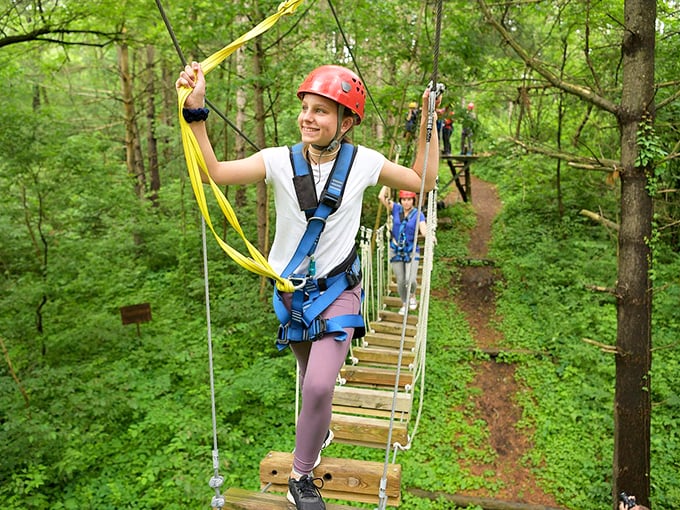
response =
{"points": [[344, 479]]}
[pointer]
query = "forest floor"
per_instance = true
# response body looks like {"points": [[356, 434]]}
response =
{"points": [[494, 402]]}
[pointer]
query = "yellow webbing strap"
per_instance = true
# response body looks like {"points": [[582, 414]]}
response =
{"points": [[256, 263]]}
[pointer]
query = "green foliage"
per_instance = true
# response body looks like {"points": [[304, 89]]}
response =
{"points": [[124, 419]]}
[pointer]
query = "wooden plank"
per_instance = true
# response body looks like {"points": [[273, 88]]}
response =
{"points": [[392, 301], [392, 328], [376, 413], [343, 479], [252, 500], [374, 376], [367, 431], [373, 399], [382, 356], [387, 340], [392, 316]]}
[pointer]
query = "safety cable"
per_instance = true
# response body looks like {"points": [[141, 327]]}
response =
{"points": [[216, 480], [356, 64], [184, 61]]}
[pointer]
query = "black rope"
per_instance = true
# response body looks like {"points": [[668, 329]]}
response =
{"points": [[356, 64], [178, 49], [437, 38]]}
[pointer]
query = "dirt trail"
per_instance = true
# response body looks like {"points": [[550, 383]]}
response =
{"points": [[495, 402]]}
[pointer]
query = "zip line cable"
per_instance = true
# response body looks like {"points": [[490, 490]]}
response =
{"points": [[178, 49], [356, 64]]}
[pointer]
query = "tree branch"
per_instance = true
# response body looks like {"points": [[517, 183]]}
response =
{"points": [[596, 164], [38, 35], [583, 92]]}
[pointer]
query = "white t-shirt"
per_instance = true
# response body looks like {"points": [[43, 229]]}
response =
{"points": [[338, 238]]}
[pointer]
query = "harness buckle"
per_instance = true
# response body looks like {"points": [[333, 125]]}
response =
{"points": [[318, 218], [330, 200], [282, 334], [316, 330], [353, 279]]}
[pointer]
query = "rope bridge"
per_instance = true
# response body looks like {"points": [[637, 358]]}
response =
{"points": [[365, 412]]}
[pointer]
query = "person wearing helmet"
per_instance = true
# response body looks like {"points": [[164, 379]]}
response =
{"points": [[447, 129], [468, 128], [411, 119], [407, 222], [332, 100]]}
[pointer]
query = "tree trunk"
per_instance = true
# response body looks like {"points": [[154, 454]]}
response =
{"points": [[152, 144], [241, 100], [632, 404], [133, 149]]}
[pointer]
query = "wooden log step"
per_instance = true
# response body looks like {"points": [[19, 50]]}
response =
{"points": [[382, 356], [375, 377], [237, 499], [387, 340], [350, 399], [393, 328], [344, 479]]}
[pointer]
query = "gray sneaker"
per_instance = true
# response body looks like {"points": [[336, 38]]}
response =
{"points": [[304, 493]]}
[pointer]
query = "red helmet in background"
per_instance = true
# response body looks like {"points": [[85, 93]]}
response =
{"points": [[470, 105], [406, 194], [338, 84]]}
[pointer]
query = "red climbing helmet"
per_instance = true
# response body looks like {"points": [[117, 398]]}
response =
{"points": [[406, 194], [339, 84], [470, 105]]}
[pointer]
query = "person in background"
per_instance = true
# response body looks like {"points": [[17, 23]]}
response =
{"points": [[447, 130], [411, 119], [628, 503], [469, 126], [332, 100], [407, 222]]}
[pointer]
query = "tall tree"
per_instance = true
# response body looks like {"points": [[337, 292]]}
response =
{"points": [[632, 404], [633, 112]]}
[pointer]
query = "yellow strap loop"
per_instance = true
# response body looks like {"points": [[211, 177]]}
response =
{"points": [[256, 263]]}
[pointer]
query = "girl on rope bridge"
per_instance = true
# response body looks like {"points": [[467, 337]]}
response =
{"points": [[407, 222], [332, 103]]}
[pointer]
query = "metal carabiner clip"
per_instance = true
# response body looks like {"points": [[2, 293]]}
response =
{"points": [[298, 282]]}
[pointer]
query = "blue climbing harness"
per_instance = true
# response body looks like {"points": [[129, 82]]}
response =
{"points": [[403, 235], [303, 323]]}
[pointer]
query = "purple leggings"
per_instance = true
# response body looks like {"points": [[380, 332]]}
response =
{"points": [[319, 364]]}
